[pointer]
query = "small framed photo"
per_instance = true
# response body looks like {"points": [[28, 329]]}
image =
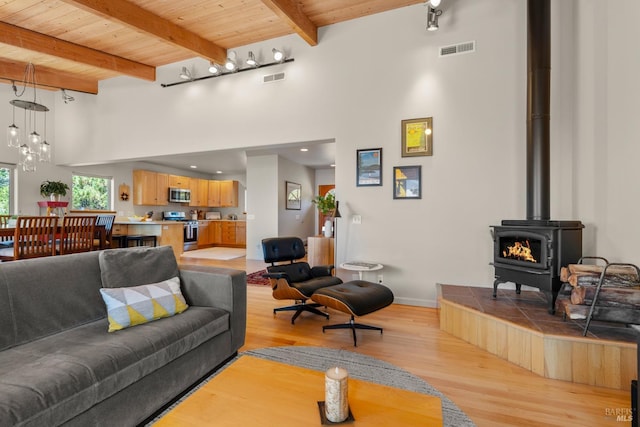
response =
{"points": [[407, 182], [293, 193], [369, 167], [417, 137]]}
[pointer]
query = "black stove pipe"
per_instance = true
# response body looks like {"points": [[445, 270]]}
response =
{"points": [[538, 108]]}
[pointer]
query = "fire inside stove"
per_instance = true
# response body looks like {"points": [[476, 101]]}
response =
{"points": [[519, 249]]}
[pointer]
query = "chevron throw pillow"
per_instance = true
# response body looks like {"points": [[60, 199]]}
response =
{"points": [[141, 304]]}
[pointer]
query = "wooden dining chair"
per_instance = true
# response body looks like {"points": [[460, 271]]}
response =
{"points": [[34, 237], [105, 221], [5, 241], [77, 234], [4, 220]]}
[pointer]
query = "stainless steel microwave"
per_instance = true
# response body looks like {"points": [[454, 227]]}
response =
{"points": [[179, 195]]}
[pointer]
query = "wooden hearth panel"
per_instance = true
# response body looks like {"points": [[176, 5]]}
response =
{"points": [[592, 361]]}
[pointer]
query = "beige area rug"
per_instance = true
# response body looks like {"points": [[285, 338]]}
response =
{"points": [[216, 253]]}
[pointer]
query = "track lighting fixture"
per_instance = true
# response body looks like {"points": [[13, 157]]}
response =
{"points": [[185, 74], [278, 56], [251, 60], [229, 67], [432, 19]]}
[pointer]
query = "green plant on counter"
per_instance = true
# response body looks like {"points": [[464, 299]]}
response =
{"points": [[59, 188], [325, 204]]}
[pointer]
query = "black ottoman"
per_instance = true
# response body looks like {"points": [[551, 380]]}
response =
{"points": [[356, 298]]}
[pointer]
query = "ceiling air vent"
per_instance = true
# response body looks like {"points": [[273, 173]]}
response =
{"points": [[458, 49], [273, 78]]}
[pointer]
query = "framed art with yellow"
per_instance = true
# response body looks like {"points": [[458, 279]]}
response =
{"points": [[417, 137]]}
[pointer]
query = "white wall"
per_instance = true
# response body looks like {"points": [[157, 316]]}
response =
{"points": [[363, 78], [606, 128], [262, 203], [292, 222]]}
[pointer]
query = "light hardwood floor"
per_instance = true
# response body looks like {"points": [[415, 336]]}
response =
{"points": [[492, 391]]}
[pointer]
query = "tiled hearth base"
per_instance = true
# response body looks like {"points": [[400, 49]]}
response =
{"points": [[518, 328]]}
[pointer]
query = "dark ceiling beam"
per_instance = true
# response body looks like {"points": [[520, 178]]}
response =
{"points": [[141, 19], [289, 11]]}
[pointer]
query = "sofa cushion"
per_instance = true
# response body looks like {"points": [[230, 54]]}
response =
{"points": [[43, 296], [137, 266], [51, 380], [136, 305]]}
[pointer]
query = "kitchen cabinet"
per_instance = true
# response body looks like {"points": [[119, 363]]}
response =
{"points": [[177, 181], [204, 236], [150, 188], [213, 193], [199, 192], [215, 232], [241, 233], [228, 233], [229, 194]]}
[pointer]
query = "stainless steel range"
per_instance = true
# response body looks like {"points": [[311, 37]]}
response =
{"points": [[190, 228]]}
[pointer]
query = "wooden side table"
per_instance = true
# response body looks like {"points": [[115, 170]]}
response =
{"points": [[320, 250]]}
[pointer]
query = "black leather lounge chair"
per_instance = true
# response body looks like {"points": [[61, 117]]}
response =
{"points": [[293, 279]]}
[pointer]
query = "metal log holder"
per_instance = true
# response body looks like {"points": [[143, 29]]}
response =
{"points": [[600, 281]]}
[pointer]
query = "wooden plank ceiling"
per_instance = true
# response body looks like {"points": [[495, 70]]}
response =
{"points": [[76, 43]]}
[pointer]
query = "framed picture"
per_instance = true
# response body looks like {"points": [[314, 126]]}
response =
{"points": [[417, 137], [407, 182], [293, 193], [369, 167]]}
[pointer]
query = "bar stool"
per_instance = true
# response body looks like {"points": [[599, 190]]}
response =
{"points": [[135, 238], [120, 239], [151, 238]]}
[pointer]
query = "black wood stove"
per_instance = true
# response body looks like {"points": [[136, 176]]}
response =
{"points": [[532, 251]]}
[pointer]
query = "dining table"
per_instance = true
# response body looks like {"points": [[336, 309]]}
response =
{"points": [[100, 233]]}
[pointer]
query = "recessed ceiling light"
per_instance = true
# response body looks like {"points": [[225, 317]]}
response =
{"points": [[218, 171], [304, 149], [193, 167], [333, 165]]}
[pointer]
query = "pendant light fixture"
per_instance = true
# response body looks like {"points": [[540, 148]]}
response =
{"points": [[31, 146]]}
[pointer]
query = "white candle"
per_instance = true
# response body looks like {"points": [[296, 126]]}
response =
{"points": [[336, 403]]}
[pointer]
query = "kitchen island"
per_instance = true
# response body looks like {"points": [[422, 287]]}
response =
{"points": [[167, 232]]}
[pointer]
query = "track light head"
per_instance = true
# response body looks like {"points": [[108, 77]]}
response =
{"points": [[277, 55], [432, 19], [185, 74], [251, 60], [66, 97], [231, 64], [214, 68]]}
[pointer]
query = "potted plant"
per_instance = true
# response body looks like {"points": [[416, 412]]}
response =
{"points": [[53, 189], [326, 205]]}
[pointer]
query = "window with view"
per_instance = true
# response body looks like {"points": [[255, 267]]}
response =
{"points": [[6, 179], [92, 192]]}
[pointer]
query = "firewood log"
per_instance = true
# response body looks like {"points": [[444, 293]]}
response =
{"points": [[589, 268], [585, 279], [608, 297]]}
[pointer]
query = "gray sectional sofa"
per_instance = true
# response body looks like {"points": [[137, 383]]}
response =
{"points": [[60, 366]]}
